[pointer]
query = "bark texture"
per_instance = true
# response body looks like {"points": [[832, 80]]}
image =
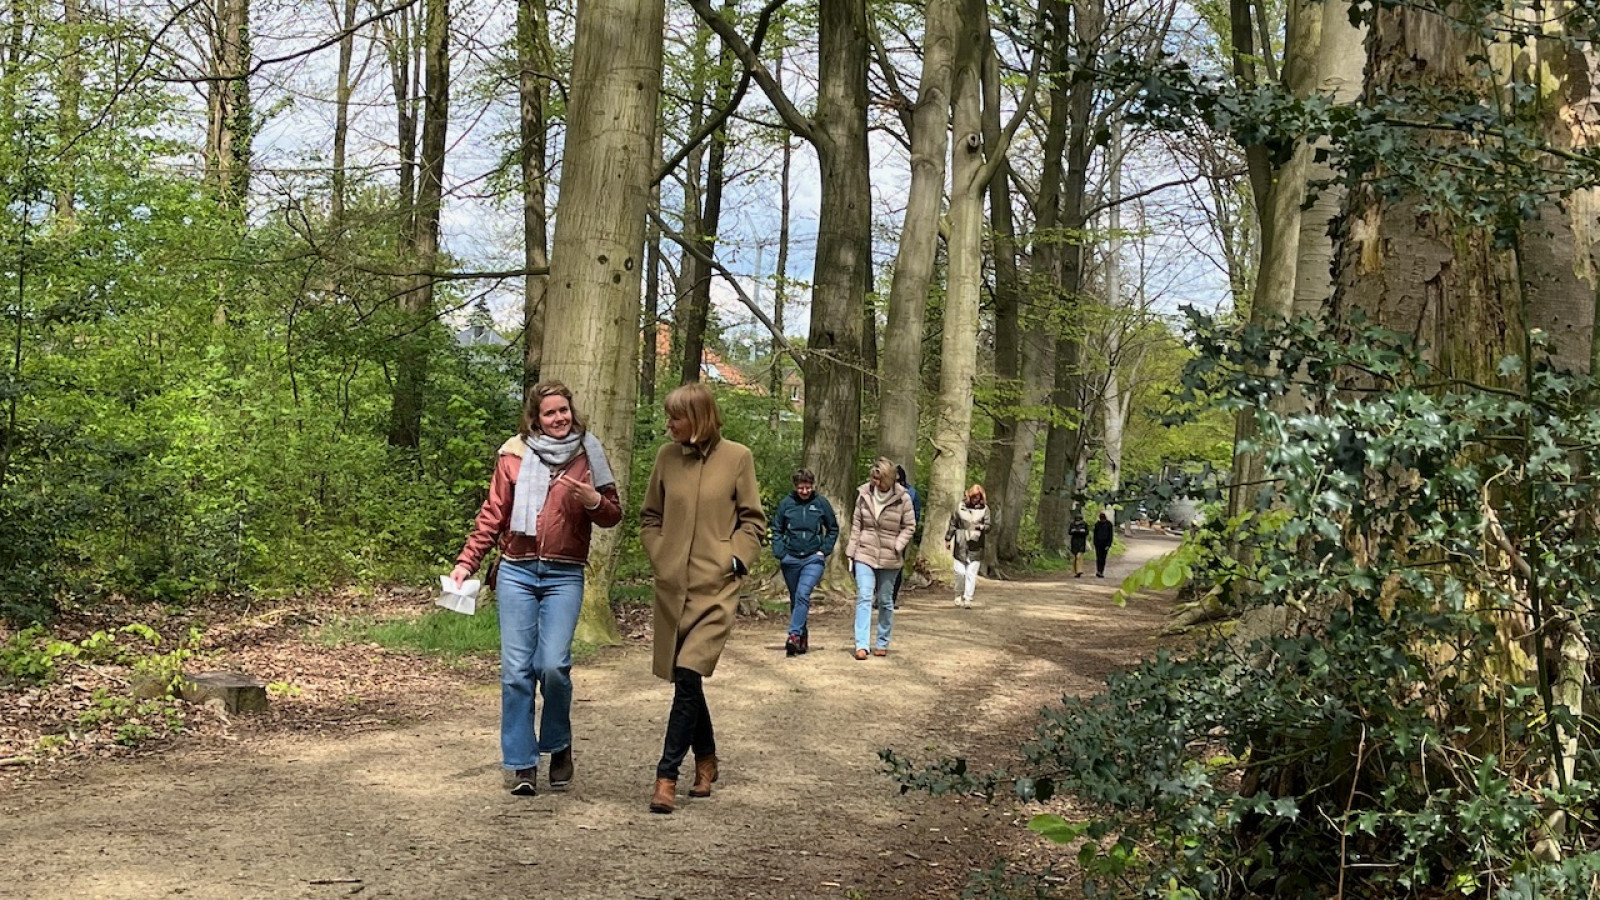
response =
{"points": [[958, 358], [417, 306], [535, 69], [592, 320], [900, 396]]}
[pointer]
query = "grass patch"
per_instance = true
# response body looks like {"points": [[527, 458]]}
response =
{"points": [[1053, 562], [1044, 561], [439, 632], [442, 633]]}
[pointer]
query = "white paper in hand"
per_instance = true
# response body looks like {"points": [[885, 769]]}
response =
{"points": [[462, 599]]}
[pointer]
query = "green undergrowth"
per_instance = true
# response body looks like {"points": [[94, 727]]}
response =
{"points": [[438, 632], [138, 704]]}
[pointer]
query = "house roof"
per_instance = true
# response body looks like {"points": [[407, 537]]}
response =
{"points": [[480, 336], [712, 365]]}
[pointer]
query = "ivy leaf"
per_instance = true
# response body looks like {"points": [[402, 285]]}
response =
{"points": [[1056, 828]]}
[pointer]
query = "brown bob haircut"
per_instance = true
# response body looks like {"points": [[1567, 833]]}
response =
{"points": [[976, 497], [530, 407], [694, 404]]}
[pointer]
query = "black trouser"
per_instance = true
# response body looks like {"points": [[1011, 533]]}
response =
{"points": [[689, 723], [1100, 554]]}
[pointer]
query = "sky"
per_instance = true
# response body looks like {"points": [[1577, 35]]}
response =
{"points": [[483, 229]]}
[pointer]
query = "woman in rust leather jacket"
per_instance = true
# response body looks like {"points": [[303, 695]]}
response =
{"points": [[551, 486]]}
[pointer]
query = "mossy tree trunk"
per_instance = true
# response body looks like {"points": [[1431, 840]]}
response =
{"points": [[592, 321]]}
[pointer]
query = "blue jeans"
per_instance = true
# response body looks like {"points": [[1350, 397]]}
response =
{"points": [[802, 575], [538, 603], [868, 582]]}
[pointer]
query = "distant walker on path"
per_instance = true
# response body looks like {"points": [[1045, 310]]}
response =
{"points": [[880, 532], [804, 531], [1078, 535], [1102, 544], [964, 539]]}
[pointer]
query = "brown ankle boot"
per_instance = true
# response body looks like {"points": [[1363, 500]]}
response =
{"points": [[705, 772], [661, 800]]}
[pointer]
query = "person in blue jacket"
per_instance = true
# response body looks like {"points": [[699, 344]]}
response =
{"points": [[804, 530], [916, 538]]}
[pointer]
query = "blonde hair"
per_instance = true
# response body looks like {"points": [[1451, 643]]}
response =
{"points": [[694, 404], [975, 496], [884, 466]]}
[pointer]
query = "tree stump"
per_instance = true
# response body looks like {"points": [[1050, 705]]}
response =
{"points": [[238, 693]]}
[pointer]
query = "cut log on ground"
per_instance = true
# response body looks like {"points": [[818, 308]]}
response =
{"points": [[237, 692]]}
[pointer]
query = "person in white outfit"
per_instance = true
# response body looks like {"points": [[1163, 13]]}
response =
{"points": [[964, 539]]}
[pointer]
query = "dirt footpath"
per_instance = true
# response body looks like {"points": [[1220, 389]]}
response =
{"points": [[801, 811]]}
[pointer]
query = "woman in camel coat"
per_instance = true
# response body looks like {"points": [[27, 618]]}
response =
{"points": [[702, 526]]}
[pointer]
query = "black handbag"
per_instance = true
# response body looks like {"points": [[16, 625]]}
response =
{"points": [[491, 572]]}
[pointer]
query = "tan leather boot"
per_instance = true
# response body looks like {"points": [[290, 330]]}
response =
{"points": [[661, 800], [705, 772]]}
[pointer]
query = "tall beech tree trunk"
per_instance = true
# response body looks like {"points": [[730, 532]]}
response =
{"points": [[1065, 443], [592, 315], [1114, 407], [977, 156], [1412, 264], [1024, 348], [899, 410], [780, 275], [695, 316], [688, 323], [1279, 193], [1340, 58], [230, 119], [958, 345], [832, 413], [838, 133], [69, 92], [535, 71], [1000, 478], [649, 346], [341, 115], [402, 48], [417, 306]]}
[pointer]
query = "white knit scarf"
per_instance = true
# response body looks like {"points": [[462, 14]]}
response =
{"points": [[544, 455]]}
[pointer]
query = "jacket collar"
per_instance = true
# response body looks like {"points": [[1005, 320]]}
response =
{"points": [[701, 451], [899, 490]]}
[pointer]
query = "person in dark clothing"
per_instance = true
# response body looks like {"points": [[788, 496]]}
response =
{"points": [[1078, 534], [804, 531], [916, 536], [1102, 545]]}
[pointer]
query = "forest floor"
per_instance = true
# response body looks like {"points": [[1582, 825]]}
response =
{"points": [[377, 775]]}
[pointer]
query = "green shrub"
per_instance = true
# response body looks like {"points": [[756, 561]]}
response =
{"points": [[30, 656], [1403, 734]]}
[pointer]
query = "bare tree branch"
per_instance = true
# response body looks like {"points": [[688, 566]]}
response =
{"points": [[691, 248], [796, 120]]}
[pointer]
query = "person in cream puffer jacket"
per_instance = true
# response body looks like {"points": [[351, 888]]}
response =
{"points": [[880, 530]]}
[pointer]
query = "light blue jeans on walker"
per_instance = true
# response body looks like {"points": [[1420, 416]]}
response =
{"points": [[870, 581], [538, 603]]}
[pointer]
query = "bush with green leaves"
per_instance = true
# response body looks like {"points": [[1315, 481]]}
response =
{"points": [[33, 655], [1415, 722]]}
